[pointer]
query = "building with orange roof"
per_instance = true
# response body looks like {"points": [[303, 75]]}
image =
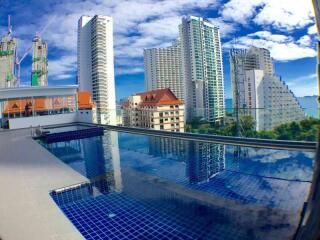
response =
{"points": [[45, 105], [158, 109]]}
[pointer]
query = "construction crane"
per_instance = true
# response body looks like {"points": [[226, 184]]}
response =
{"points": [[19, 60], [238, 59]]}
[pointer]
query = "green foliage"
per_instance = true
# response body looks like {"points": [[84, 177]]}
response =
{"points": [[266, 135], [305, 130]]}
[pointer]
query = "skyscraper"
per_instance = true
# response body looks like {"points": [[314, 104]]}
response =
{"points": [[258, 92], [202, 69], [253, 58], [8, 47], [162, 69], [39, 76], [271, 100], [96, 64]]}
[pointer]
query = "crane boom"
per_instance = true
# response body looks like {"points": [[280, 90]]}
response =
{"points": [[19, 60]]}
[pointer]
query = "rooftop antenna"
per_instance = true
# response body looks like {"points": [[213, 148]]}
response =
{"points": [[9, 26], [235, 61]]}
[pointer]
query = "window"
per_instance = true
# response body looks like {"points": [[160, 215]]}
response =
{"points": [[161, 126]]}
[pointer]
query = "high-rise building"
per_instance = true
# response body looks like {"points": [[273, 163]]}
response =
{"points": [[96, 64], [162, 69], [39, 76], [270, 101], [8, 47], [202, 69], [158, 109], [242, 60], [258, 92]]}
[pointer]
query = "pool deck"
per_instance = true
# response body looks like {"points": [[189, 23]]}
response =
{"points": [[28, 172]]}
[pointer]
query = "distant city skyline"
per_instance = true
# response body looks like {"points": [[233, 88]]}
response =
{"points": [[289, 35]]}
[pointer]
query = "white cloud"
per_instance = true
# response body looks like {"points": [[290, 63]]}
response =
{"points": [[305, 40], [143, 24], [286, 15], [281, 14], [137, 25], [62, 68], [270, 36], [304, 85], [226, 28], [240, 10], [312, 30], [281, 47]]}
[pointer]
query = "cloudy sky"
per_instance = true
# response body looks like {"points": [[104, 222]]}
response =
{"points": [[285, 27]]}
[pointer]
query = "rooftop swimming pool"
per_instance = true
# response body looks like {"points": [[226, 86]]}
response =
{"points": [[151, 187]]}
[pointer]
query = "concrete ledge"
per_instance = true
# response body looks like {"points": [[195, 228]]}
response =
{"points": [[28, 172]]}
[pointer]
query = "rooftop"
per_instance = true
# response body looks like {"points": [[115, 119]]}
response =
{"points": [[158, 97], [28, 172], [39, 91], [125, 184]]}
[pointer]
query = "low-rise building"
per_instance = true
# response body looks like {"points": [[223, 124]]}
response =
{"points": [[158, 109], [44, 105]]}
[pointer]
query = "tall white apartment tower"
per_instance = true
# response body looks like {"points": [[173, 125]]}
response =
{"points": [[96, 64], [202, 69], [162, 69]]}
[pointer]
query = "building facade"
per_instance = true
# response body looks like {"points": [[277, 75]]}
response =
{"points": [[242, 60], [270, 101], [8, 47], [162, 69], [258, 92], [158, 109], [96, 64], [22, 107], [39, 75], [202, 69]]}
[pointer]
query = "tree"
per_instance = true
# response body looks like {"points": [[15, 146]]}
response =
{"points": [[266, 135]]}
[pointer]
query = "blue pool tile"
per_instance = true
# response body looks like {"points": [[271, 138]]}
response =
{"points": [[142, 187]]}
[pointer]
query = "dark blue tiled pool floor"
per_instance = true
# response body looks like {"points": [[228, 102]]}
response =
{"points": [[183, 190], [118, 216]]}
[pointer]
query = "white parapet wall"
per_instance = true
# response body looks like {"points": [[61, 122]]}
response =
{"points": [[25, 122], [86, 116]]}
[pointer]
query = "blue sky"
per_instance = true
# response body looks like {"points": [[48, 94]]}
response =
{"points": [[285, 27]]}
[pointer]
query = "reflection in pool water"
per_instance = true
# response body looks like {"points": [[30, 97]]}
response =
{"points": [[148, 187]]}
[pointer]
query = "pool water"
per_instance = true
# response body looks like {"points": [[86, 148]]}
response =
{"points": [[147, 187]]}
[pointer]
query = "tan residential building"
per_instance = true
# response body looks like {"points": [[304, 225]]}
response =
{"points": [[158, 109]]}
